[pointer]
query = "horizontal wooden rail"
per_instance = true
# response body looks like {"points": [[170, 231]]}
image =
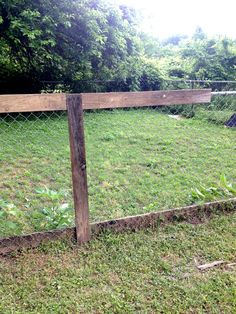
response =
{"points": [[32, 102], [142, 99], [51, 102]]}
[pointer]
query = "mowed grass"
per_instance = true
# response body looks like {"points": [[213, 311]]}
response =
{"points": [[137, 161], [150, 271]]}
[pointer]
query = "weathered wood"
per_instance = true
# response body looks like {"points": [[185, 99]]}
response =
{"points": [[78, 164], [16, 243], [142, 99], [210, 265], [49, 102], [192, 214], [32, 102]]}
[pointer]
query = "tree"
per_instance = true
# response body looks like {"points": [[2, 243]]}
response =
{"points": [[69, 41], [212, 58]]}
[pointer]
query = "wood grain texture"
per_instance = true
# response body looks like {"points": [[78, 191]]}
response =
{"points": [[141, 99], [191, 214], [50, 102], [32, 102], [78, 165]]}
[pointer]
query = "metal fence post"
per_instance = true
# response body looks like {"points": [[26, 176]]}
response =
{"points": [[78, 165]]}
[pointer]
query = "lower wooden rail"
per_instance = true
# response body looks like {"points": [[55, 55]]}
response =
{"points": [[192, 214]]}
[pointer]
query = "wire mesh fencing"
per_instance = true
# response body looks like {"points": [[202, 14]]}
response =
{"points": [[35, 175], [144, 160], [221, 108], [138, 161]]}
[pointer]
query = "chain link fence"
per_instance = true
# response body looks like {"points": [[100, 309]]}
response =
{"points": [[138, 161], [35, 184], [221, 108]]}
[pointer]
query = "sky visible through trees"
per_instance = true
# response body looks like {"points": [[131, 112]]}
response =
{"points": [[167, 18]]}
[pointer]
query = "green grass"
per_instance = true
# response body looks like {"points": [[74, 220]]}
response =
{"points": [[214, 116], [151, 271], [138, 161]]}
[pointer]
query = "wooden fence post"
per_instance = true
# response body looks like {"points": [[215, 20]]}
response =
{"points": [[78, 165]]}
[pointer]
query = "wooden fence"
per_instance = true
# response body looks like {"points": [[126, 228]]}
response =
{"points": [[75, 104]]}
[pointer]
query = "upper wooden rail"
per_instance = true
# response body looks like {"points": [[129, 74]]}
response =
{"points": [[32, 102], [142, 99], [51, 102]]}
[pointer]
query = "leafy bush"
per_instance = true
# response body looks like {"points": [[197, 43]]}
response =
{"points": [[53, 217], [207, 194], [14, 221]]}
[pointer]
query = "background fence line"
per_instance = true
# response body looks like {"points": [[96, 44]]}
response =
{"points": [[118, 86]]}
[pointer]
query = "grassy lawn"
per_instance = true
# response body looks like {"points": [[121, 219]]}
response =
{"points": [[138, 161], [151, 271]]}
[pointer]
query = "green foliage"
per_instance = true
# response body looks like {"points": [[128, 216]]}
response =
{"points": [[15, 221], [49, 218], [211, 58], [200, 57], [10, 219], [65, 40], [142, 74], [151, 76], [223, 189], [49, 194], [92, 45]]}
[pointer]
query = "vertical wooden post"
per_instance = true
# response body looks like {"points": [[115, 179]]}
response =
{"points": [[78, 165]]}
